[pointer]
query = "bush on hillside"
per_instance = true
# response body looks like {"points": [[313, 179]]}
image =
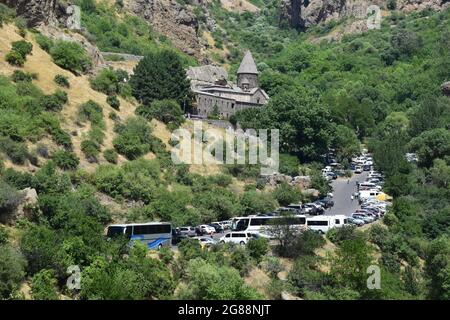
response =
{"points": [[66, 160], [70, 56], [23, 48], [45, 43], [15, 59], [21, 76], [9, 198], [62, 81], [134, 138], [90, 150], [55, 101], [12, 271], [113, 101], [167, 111], [110, 155], [16, 151], [44, 285]]}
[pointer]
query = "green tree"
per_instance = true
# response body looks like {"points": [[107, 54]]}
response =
{"points": [[345, 142], [160, 76]]}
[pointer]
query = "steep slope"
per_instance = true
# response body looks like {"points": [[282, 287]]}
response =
{"points": [[40, 62]]}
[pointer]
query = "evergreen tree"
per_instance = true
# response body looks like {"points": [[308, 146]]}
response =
{"points": [[160, 76]]}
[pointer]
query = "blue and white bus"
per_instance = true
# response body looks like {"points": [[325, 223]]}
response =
{"points": [[154, 235]]}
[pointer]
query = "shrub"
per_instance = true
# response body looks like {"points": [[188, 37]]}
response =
{"points": [[70, 56], [208, 281], [272, 266], [286, 194], [20, 76], [293, 245], [166, 255], [42, 150], [110, 155], [66, 160], [90, 150], [6, 14], [258, 248], [113, 101], [91, 111], [305, 276], [134, 138], [337, 235], [3, 235], [12, 270], [62, 81], [106, 81], [9, 198], [55, 101], [167, 111], [15, 59], [45, 43], [43, 286], [22, 47], [16, 151]]}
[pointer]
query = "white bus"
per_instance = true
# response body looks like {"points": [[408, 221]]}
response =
{"points": [[262, 224], [323, 224], [154, 235]]}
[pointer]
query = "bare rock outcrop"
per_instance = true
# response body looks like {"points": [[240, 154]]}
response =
{"points": [[446, 88], [26, 202], [301, 14], [170, 18], [37, 12]]}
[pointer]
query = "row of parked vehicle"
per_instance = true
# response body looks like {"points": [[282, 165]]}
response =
{"points": [[372, 207], [200, 231], [312, 208]]}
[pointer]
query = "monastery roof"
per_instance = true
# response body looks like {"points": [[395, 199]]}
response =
{"points": [[248, 64]]}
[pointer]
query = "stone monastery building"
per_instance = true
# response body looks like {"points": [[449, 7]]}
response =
{"points": [[211, 88]]}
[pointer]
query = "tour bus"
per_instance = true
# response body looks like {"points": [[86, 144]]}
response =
{"points": [[154, 235], [261, 224], [322, 224]]}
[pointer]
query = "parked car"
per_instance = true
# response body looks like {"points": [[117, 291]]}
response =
{"points": [[218, 228], [205, 229], [319, 207], [241, 238], [354, 221], [326, 202], [206, 241], [310, 209], [358, 169], [188, 231], [363, 217], [177, 236]]}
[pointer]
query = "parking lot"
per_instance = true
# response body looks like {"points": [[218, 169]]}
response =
{"points": [[357, 200], [342, 192]]}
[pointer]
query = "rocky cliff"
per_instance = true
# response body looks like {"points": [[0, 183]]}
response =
{"points": [[170, 18], [37, 12], [301, 14]]}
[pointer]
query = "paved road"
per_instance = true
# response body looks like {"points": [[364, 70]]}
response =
{"points": [[342, 192]]}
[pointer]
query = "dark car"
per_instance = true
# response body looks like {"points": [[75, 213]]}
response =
{"points": [[177, 236], [326, 202], [218, 227]]}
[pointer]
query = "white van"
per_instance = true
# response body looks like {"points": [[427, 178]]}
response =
{"points": [[366, 194], [323, 224]]}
